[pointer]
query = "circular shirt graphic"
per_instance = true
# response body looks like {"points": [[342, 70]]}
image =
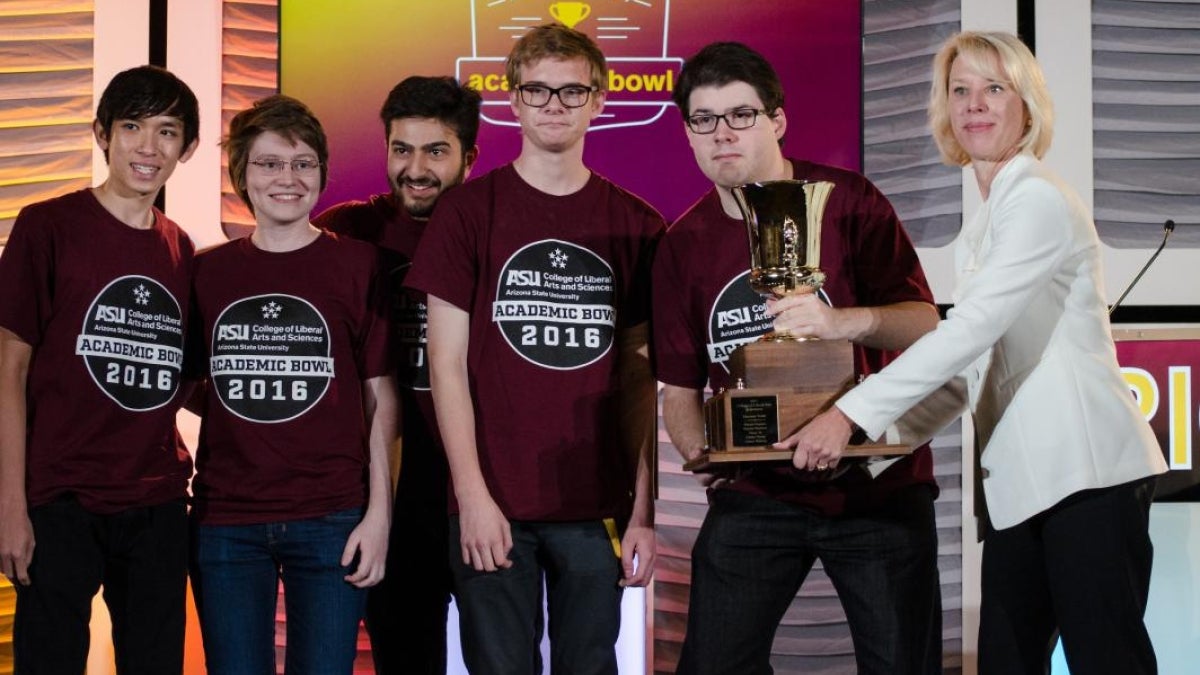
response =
{"points": [[738, 316], [554, 304], [270, 358], [132, 342], [410, 318]]}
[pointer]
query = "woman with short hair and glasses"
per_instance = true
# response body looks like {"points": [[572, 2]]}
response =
{"points": [[292, 479]]}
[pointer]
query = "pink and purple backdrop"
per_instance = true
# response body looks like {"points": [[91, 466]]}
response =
{"points": [[342, 57]]}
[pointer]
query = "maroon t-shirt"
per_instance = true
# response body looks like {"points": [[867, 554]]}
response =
{"points": [[384, 222], [286, 341], [704, 308], [104, 307], [547, 280]]}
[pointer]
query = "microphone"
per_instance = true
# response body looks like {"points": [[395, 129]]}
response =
{"points": [[1168, 228]]}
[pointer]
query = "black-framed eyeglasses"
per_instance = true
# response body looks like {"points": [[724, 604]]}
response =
{"points": [[273, 167], [740, 118], [570, 95]]}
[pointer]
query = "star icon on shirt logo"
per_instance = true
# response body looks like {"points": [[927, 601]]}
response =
{"points": [[141, 295], [558, 259], [271, 310]]}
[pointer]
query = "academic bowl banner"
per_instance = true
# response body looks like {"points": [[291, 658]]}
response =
{"points": [[341, 57], [1158, 364]]}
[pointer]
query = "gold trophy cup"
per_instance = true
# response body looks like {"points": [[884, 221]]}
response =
{"points": [[782, 380]]}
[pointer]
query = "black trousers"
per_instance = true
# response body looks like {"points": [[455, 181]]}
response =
{"points": [[1080, 569], [407, 611], [753, 553], [138, 555]]}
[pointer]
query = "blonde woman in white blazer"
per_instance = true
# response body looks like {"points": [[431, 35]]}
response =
{"points": [[1067, 459]]}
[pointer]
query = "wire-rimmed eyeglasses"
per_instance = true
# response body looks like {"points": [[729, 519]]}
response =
{"points": [[272, 166]]}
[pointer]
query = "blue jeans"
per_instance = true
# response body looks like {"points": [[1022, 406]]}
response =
{"points": [[753, 553], [500, 613], [236, 571]]}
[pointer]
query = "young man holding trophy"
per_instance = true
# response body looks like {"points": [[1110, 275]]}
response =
{"points": [[537, 282], [870, 524]]}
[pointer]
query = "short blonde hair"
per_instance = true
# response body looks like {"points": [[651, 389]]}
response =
{"points": [[555, 41], [1018, 69]]}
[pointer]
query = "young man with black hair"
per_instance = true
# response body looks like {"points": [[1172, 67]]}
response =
{"points": [[93, 475], [430, 124], [872, 528]]}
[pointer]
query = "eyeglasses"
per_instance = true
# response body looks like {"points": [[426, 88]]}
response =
{"points": [[741, 118], [571, 95], [274, 167]]}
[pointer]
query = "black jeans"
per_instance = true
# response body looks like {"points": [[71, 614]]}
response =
{"points": [[407, 611], [1082, 568], [500, 613], [753, 553], [139, 556]]}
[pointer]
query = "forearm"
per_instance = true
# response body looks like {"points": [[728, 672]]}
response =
{"points": [[383, 415], [891, 327], [683, 413], [456, 421], [643, 493], [447, 349], [639, 419], [14, 374]]}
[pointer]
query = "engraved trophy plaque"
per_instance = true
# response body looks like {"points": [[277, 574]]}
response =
{"points": [[783, 380]]}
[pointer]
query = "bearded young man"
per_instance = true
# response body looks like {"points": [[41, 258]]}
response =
{"points": [[431, 124]]}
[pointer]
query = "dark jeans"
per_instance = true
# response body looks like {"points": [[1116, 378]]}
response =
{"points": [[236, 570], [407, 611], [138, 555], [753, 553], [500, 613], [1081, 568]]}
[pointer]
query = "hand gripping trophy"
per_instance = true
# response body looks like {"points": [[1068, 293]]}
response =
{"points": [[783, 380]]}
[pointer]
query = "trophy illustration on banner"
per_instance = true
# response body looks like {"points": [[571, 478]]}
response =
{"points": [[570, 13], [782, 380], [633, 34]]}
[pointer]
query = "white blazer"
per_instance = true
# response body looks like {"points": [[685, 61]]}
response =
{"points": [[1029, 333]]}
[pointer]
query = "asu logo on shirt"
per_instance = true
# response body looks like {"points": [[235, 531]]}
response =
{"points": [[270, 359], [132, 342], [554, 304], [738, 316]]}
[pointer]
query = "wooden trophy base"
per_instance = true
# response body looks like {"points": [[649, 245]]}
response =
{"points": [[709, 460], [782, 385]]}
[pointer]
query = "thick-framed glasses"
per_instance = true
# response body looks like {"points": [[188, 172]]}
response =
{"points": [[273, 167], [571, 95], [741, 118]]}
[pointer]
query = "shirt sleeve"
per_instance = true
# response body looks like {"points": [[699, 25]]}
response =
{"points": [[26, 275], [446, 264], [679, 355], [1031, 238], [638, 303]]}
